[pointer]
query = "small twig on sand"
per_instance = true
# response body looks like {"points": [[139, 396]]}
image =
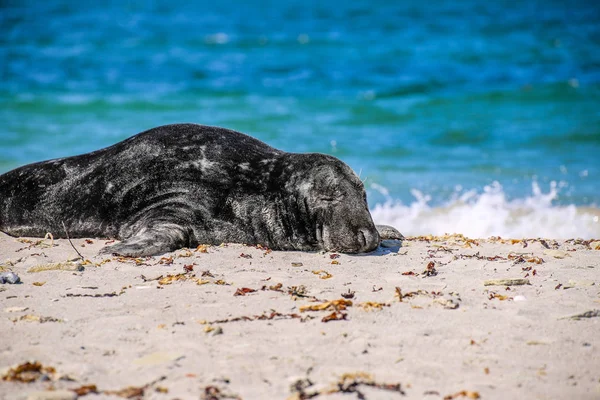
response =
{"points": [[69, 239]]}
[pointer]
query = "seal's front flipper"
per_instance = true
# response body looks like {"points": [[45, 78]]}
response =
{"points": [[150, 242], [387, 232]]}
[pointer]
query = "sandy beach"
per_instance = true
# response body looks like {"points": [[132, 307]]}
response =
{"points": [[430, 318]]}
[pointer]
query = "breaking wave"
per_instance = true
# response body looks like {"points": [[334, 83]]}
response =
{"points": [[489, 213]]}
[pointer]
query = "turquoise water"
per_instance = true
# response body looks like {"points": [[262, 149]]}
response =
{"points": [[460, 116]]}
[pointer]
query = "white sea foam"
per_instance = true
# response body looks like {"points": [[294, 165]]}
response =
{"points": [[490, 213]]}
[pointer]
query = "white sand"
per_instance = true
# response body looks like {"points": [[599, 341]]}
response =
{"points": [[517, 347]]}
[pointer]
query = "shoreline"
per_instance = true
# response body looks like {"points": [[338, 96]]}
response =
{"points": [[437, 317]]}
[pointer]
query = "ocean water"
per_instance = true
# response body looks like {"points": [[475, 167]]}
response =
{"points": [[481, 118]]}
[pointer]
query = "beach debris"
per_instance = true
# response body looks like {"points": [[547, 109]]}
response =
{"points": [[185, 253], [215, 330], [188, 268], [398, 294], [587, 314], [299, 292], [38, 243], [372, 305], [337, 305], [449, 304], [333, 256], [161, 389], [169, 279], [135, 260], [335, 316], [297, 264], [166, 260], [275, 288], [506, 282], [335, 262], [243, 291], [9, 277], [519, 258], [29, 371], [410, 273], [59, 266], [202, 248], [38, 283], [272, 315], [247, 256], [536, 343], [347, 383], [501, 297], [463, 393], [85, 390], [36, 318], [322, 274], [132, 392], [595, 245], [216, 393], [430, 270], [480, 257], [348, 295]]}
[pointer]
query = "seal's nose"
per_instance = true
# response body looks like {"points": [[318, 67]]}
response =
{"points": [[369, 239]]}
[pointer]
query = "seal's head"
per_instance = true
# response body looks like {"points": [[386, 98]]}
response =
{"points": [[334, 201]]}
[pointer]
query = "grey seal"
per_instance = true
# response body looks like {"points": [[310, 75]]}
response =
{"points": [[182, 185]]}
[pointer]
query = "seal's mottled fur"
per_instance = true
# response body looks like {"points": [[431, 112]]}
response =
{"points": [[180, 185]]}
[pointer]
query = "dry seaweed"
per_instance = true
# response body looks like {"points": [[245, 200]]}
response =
{"points": [[133, 392], [112, 294], [372, 305], [463, 393], [480, 257], [275, 288], [215, 393], [322, 274], [335, 316], [37, 243], [430, 270], [347, 383], [27, 372], [202, 248], [501, 297], [517, 258], [506, 282], [61, 266], [243, 291], [584, 315], [185, 276], [337, 305], [36, 318], [85, 390], [272, 315]]}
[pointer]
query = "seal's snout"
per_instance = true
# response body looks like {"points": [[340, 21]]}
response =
{"points": [[369, 239]]}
